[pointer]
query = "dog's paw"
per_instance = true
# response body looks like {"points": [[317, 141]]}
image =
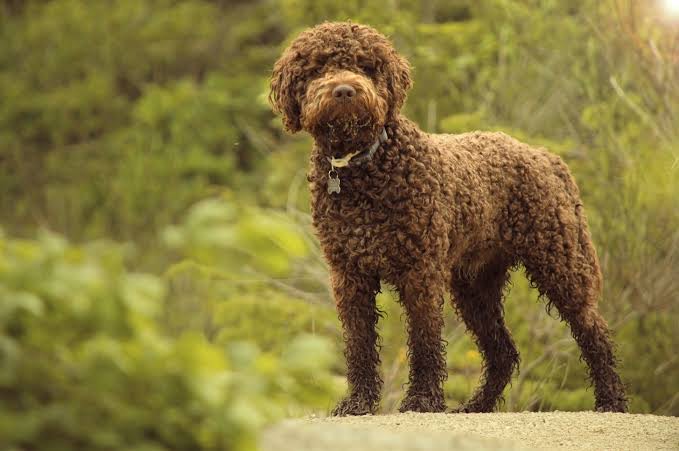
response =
{"points": [[460, 409], [420, 403], [354, 405], [472, 408], [616, 406]]}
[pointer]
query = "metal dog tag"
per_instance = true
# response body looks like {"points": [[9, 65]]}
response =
{"points": [[333, 182]]}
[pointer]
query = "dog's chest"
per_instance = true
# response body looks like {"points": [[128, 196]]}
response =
{"points": [[375, 235]]}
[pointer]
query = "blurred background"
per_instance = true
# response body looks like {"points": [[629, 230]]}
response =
{"points": [[160, 284]]}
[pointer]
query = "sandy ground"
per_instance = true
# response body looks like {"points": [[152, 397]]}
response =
{"points": [[466, 432]]}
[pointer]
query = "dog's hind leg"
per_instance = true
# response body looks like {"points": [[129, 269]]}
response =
{"points": [[561, 261], [591, 333], [571, 282], [478, 301], [358, 312]]}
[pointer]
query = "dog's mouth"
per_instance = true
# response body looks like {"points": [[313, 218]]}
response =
{"points": [[349, 136], [344, 130], [348, 128]]}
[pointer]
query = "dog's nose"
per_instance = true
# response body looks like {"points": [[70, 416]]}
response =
{"points": [[342, 92]]}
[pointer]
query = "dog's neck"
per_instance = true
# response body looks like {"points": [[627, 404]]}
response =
{"points": [[333, 147], [359, 156], [384, 160], [355, 155]]}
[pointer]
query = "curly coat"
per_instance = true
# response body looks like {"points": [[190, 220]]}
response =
{"points": [[431, 213]]}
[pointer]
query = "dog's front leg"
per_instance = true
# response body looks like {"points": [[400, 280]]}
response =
{"points": [[422, 300], [355, 299]]}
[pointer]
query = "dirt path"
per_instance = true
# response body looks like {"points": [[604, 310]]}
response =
{"points": [[495, 431]]}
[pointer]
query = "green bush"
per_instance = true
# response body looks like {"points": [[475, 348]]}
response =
{"points": [[84, 366]]}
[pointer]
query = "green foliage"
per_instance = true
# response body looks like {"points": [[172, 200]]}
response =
{"points": [[253, 238], [129, 99], [83, 364], [146, 121]]}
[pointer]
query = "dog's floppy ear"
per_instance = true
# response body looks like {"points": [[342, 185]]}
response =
{"points": [[282, 96], [398, 82]]}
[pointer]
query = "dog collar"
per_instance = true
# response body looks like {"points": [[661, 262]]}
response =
{"points": [[359, 156]]}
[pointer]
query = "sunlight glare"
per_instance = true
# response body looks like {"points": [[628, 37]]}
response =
{"points": [[671, 6]]}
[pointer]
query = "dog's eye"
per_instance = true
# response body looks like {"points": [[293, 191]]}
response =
{"points": [[368, 70]]}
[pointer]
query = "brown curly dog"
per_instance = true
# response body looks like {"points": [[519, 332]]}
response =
{"points": [[430, 213]]}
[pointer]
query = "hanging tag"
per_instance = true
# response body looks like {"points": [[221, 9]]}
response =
{"points": [[333, 182]]}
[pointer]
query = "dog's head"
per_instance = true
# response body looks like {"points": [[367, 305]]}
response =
{"points": [[339, 81]]}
